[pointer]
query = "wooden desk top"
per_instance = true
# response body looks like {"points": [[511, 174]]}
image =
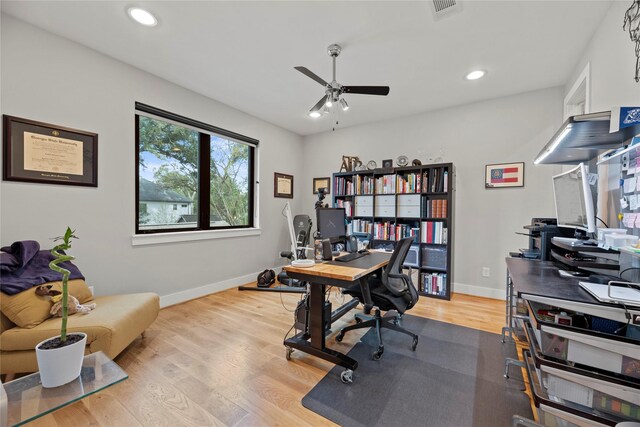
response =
{"points": [[345, 271]]}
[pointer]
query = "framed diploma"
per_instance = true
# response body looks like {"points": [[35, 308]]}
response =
{"points": [[282, 185], [319, 183], [49, 154]]}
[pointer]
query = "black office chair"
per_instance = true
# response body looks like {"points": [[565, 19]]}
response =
{"points": [[393, 291]]}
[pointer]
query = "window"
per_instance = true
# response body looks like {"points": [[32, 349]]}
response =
{"points": [[191, 175]]}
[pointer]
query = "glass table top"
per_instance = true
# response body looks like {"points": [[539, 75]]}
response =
{"points": [[28, 400]]}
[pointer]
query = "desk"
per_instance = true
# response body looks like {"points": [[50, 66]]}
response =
{"points": [[28, 400], [540, 281], [331, 273], [574, 370]]}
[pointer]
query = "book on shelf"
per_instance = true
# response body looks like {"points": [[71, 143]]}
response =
{"points": [[409, 183], [361, 226], [364, 184], [385, 184], [436, 208], [347, 205], [342, 186], [433, 232], [434, 283], [435, 180]]}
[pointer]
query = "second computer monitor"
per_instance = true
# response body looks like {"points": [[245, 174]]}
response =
{"points": [[332, 224]]}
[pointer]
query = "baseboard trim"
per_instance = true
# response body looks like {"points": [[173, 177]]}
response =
{"points": [[193, 293], [478, 291]]}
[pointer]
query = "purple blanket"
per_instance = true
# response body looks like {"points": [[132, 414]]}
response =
{"points": [[23, 265]]}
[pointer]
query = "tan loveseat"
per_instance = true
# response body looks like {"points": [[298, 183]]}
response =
{"points": [[115, 322]]}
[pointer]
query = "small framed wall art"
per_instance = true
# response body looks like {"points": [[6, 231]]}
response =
{"points": [[319, 183], [49, 154], [282, 185], [503, 175]]}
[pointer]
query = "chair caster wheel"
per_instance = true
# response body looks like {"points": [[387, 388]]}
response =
{"points": [[339, 337], [415, 344], [288, 351], [347, 376], [377, 355]]}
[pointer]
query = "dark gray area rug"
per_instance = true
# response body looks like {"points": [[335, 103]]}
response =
{"points": [[454, 378]]}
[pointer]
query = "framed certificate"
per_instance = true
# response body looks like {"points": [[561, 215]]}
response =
{"points": [[319, 183], [49, 154], [282, 185]]}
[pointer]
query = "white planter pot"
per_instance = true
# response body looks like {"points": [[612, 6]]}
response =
{"points": [[59, 366]]}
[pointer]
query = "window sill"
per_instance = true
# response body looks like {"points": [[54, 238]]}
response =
{"points": [[188, 236]]}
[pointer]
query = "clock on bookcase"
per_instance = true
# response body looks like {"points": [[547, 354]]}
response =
{"points": [[386, 205]]}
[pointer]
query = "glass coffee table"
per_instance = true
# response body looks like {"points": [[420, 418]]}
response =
{"points": [[28, 400]]}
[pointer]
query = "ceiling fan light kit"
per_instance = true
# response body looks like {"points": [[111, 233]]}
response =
{"points": [[334, 90]]}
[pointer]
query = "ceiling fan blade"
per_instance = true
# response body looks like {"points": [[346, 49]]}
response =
{"points": [[367, 90], [319, 105], [312, 75]]}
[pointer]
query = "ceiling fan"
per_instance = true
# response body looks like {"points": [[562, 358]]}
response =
{"points": [[334, 90]]}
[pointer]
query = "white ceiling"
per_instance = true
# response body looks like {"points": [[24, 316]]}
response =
{"points": [[243, 53]]}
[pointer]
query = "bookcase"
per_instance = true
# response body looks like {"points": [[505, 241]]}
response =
{"points": [[386, 205]]}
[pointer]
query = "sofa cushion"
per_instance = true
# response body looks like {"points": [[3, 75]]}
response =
{"points": [[27, 310], [110, 327]]}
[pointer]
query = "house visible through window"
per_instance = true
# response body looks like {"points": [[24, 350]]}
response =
{"points": [[191, 175]]}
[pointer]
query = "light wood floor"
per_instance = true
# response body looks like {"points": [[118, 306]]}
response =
{"points": [[219, 360]]}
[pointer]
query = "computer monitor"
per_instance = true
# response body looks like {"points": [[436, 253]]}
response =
{"points": [[574, 201], [332, 224]]}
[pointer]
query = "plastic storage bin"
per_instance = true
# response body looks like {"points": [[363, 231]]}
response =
{"points": [[556, 412], [608, 352], [595, 392]]}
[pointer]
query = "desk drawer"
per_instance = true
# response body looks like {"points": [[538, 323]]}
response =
{"points": [[599, 350]]}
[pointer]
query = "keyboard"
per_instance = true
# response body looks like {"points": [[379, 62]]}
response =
{"points": [[351, 256]]}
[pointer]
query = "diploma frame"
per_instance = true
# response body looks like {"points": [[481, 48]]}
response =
{"points": [[319, 183], [282, 185], [19, 132]]}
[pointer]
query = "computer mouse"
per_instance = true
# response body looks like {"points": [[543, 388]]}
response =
{"points": [[363, 251]]}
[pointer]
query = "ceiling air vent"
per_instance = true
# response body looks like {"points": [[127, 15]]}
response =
{"points": [[445, 8]]}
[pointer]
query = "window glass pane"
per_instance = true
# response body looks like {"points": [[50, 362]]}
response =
{"points": [[168, 175], [229, 183]]}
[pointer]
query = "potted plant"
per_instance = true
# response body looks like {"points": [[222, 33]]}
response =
{"points": [[60, 358]]}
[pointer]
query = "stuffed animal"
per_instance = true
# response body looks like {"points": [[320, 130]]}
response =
{"points": [[55, 296]]}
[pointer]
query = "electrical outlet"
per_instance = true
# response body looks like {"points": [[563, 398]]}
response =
{"points": [[91, 289], [486, 272]]}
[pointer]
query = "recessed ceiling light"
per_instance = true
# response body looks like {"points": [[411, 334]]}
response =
{"points": [[142, 16], [475, 75], [314, 114]]}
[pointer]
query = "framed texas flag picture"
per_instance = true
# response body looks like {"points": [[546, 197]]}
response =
{"points": [[504, 175]]}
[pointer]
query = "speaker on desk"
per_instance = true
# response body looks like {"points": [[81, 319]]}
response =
{"points": [[326, 250], [353, 244]]}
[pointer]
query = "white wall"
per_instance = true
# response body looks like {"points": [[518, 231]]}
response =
{"points": [[504, 130], [54, 80], [612, 57]]}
